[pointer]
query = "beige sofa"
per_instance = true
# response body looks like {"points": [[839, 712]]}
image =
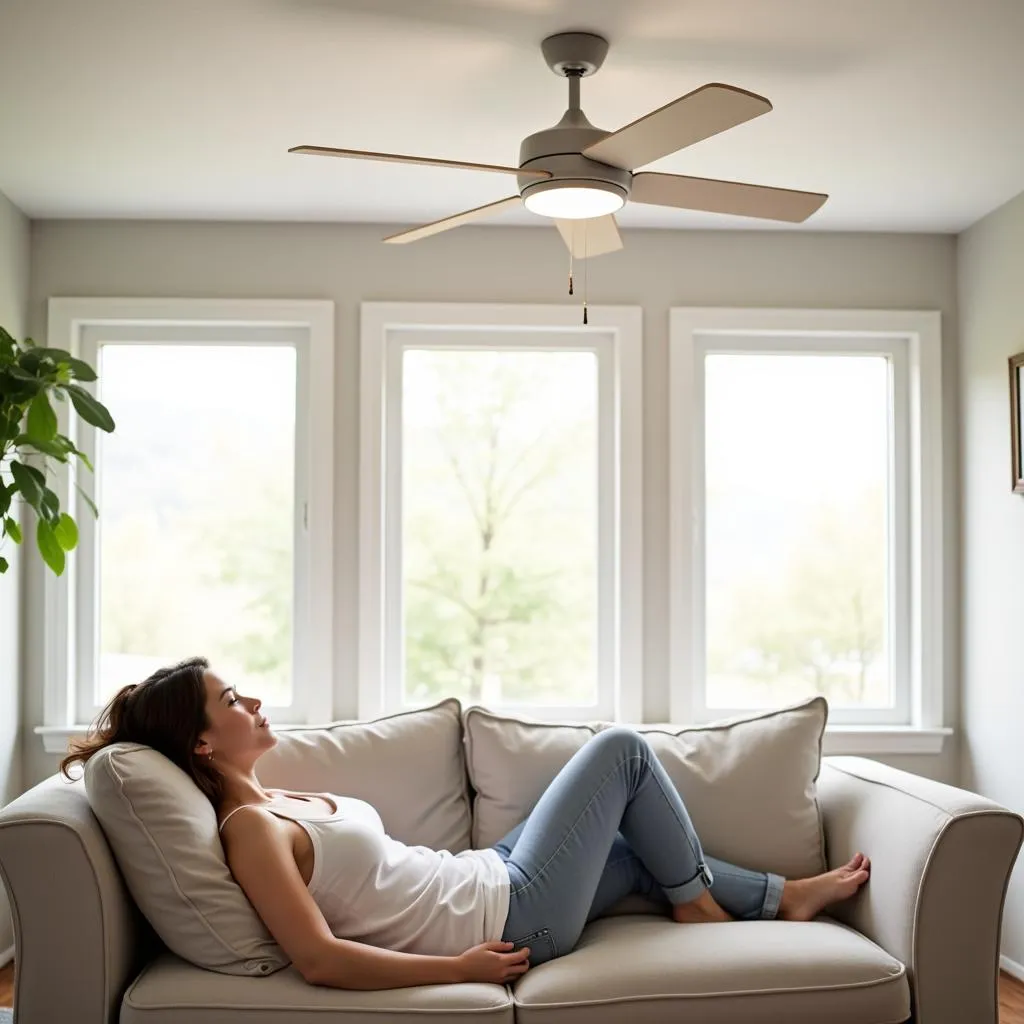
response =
{"points": [[921, 942]]}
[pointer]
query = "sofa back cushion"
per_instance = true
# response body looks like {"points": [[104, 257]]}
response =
{"points": [[411, 766], [163, 831], [749, 783]]}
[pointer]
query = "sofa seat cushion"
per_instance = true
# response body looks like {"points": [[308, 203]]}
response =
{"points": [[649, 970], [171, 990]]}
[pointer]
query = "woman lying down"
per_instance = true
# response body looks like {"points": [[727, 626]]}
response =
{"points": [[353, 908]]}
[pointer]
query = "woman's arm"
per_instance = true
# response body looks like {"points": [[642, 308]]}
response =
{"points": [[259, 853]]}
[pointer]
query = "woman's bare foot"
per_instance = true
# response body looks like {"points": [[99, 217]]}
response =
{"points": [[702, 910], [805, 898]]}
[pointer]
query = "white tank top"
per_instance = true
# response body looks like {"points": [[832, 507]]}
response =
{"points": [[374, 889]]}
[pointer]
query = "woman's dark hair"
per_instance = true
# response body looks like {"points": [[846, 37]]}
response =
{"points": [[166, 711]]}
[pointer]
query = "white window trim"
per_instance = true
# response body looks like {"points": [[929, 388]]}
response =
{"points": [[624, 325], [69, 321], [923, 730]]}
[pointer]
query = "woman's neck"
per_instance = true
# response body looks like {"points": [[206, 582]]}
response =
{"points": [[242, 787]]}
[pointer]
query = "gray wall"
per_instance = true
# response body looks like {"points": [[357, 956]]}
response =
{"points": [[659, 269], [14, 265], [991, 276]]}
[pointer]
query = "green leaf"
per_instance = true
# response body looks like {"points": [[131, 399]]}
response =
{"points": [[8, 348], [50, 507], [5, 498], [9, 424], [30, 362], [58, 355], [27, 382], [88, 500], [66, 532], [81, 369], [85, 458], [4, 565], [12, 529], [42, 420], [53, 448], [26, 481], [90, 409], [52, 552], [35, 474]]}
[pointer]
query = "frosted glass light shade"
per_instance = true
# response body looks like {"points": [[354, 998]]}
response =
{"points": [[572, 202]]}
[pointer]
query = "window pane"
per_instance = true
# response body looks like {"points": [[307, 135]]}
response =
{"points": [[797, 560], [499, 526], [196, 496]]}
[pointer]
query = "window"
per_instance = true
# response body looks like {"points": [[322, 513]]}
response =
{"points": [[497, 512], [806, 502], [195, 542], [213, 508]]}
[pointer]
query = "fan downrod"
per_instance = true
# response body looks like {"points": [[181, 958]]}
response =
{"points": [[575, 54]]}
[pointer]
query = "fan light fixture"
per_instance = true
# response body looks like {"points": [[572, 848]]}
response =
{"points": [[571, 201]]}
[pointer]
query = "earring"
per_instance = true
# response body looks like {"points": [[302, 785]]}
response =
{"points": [[210, 755]]}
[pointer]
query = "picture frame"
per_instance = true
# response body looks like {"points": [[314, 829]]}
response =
{"points": [[1016, 423]]}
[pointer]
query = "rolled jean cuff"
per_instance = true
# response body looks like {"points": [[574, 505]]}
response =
{"points": [[772, 897], [689, 891]]}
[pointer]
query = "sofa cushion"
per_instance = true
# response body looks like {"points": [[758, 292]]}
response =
{"points": [[749, 783], [510, 762], [163, 830], [170, 991], [411, 766], [648, 970]]}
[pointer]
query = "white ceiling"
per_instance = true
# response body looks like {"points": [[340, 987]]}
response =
{"points": [[908, 112]]}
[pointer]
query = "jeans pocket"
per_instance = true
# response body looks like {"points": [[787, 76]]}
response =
{"points": [[541, 943]]}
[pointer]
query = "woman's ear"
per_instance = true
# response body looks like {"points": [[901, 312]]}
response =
{"points": [[203, 749]]}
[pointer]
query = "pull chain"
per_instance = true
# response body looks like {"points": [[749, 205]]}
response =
{"points": [[571, 255], [586, 271]]}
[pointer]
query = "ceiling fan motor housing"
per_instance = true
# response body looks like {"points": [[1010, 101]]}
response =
{"points": [[558, 151]]}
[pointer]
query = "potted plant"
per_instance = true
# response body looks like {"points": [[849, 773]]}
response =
{"points": [[31, 377]]}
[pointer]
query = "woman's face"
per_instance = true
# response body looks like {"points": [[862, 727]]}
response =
{"points": [[237, 732]]}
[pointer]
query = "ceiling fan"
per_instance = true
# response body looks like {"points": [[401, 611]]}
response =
{"points": [[574, 172]]}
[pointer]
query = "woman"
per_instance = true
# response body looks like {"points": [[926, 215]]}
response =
{"points": [[353, 908]]}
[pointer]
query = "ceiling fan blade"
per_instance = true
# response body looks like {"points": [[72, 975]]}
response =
{"points": [[398, 158], [437, 226], [698, 115], [592, 237], [733, 197]]}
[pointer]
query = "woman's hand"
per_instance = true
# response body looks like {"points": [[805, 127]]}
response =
{"points": [[494, 962]]}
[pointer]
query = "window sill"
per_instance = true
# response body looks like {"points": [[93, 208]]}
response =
{"points": [[870, 740], [857, 740]]}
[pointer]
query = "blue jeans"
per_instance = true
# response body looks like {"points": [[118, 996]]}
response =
{"points": [[611, 823]]}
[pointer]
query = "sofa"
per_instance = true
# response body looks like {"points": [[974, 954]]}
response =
{"points": [[82, 860]]}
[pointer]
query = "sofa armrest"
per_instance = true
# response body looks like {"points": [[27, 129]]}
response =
{"points": [[940, 863], [79, 938]]}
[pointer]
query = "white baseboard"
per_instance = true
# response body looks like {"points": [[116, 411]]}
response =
{"points": [[1014, 969], [6, 956]]}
